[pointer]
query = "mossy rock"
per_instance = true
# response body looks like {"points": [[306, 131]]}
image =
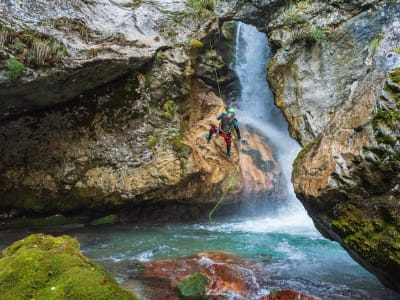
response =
{"points": [[193, 287], [45, 267], [106, 220]]}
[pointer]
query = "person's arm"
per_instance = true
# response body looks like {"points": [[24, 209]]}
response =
{"points": [[236, 126]]}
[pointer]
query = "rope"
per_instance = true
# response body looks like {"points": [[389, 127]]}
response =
{"points": [[235, 173], [233, 177]]}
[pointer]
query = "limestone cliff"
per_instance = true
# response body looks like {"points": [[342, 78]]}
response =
{"points": [[117, 116], [334, 75]]}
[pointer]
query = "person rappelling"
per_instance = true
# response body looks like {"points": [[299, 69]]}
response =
{"points": [[227, 123]]}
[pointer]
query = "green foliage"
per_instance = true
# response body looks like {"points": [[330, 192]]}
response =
{"points": [[294, 15], [15, 68], [53, 220], [375, 42], [202, 4], [314, 36], [387, 118], [273, 293], [193, 287], [152, 141], [302, 153], [43, 267], [169, 108], [179, 147], [395, 75], [34, 48]]}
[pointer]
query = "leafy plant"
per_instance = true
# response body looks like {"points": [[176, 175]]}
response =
{"points": [[375, 42], [202, 4], [204, 8], [15, 68], [313, 36], [169, 108]]}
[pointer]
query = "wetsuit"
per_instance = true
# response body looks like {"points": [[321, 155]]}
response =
{"points": [[227, 122]]}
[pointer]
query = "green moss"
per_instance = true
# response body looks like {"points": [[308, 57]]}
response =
{"points": [[196, 44], [15, 69], [54, 220], [106, 220], [374, 239], [148, 81], [396, 51], [395, 75], [375, 42], [36, 49], [43, 267], [169, 108], [302, 153], [204, 8], [193, 287], [152, 141], [182, 150]]}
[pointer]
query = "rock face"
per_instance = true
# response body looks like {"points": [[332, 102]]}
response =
{"points": [[72, 139], [334, 76], [46, 267], [214, 275]]}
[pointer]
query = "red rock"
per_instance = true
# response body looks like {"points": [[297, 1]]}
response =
{"points": [[287, 295]]}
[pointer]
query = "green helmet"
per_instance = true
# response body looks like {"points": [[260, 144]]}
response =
{"points": [[231, 111]]}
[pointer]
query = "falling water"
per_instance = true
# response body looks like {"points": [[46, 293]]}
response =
{"points": [[256, 108], [291, 252]]}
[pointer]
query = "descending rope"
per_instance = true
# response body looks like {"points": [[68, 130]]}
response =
{"points": [[235, 173], [233, 177]]}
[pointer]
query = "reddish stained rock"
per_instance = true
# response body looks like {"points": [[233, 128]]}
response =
{"points": [[287, 295], [229, 275]]}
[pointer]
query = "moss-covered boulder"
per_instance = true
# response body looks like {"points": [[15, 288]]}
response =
{"points": [[46, 267], [193, 287]]}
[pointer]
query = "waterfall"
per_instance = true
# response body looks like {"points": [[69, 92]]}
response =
{"points": [[256, 108]]}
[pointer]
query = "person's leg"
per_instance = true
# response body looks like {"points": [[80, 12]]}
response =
{"points": [[228, 142], [213, 129]]}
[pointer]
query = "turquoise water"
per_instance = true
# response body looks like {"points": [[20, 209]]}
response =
{"points": [[293, 256]]}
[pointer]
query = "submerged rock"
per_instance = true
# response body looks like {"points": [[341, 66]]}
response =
{"points": [[45, 267], [212, 275]]}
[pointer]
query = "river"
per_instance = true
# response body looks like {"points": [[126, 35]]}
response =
{"points": [[285, 244]]}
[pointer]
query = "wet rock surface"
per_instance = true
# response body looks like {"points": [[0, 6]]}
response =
{"points": [[229, 277]]}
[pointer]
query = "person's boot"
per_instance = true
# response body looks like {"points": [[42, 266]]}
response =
{"points": [[228, 151], [208, 138]]}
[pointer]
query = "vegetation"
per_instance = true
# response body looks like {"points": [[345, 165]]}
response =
{"points": [[15, 69], [110, 219], [44, 267], [169, 108], [193, 287], [196, 44], [34, 49], [204, 7], [182, 150], [152, 141], [314, 36], [375, 42], [148, 81]]}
